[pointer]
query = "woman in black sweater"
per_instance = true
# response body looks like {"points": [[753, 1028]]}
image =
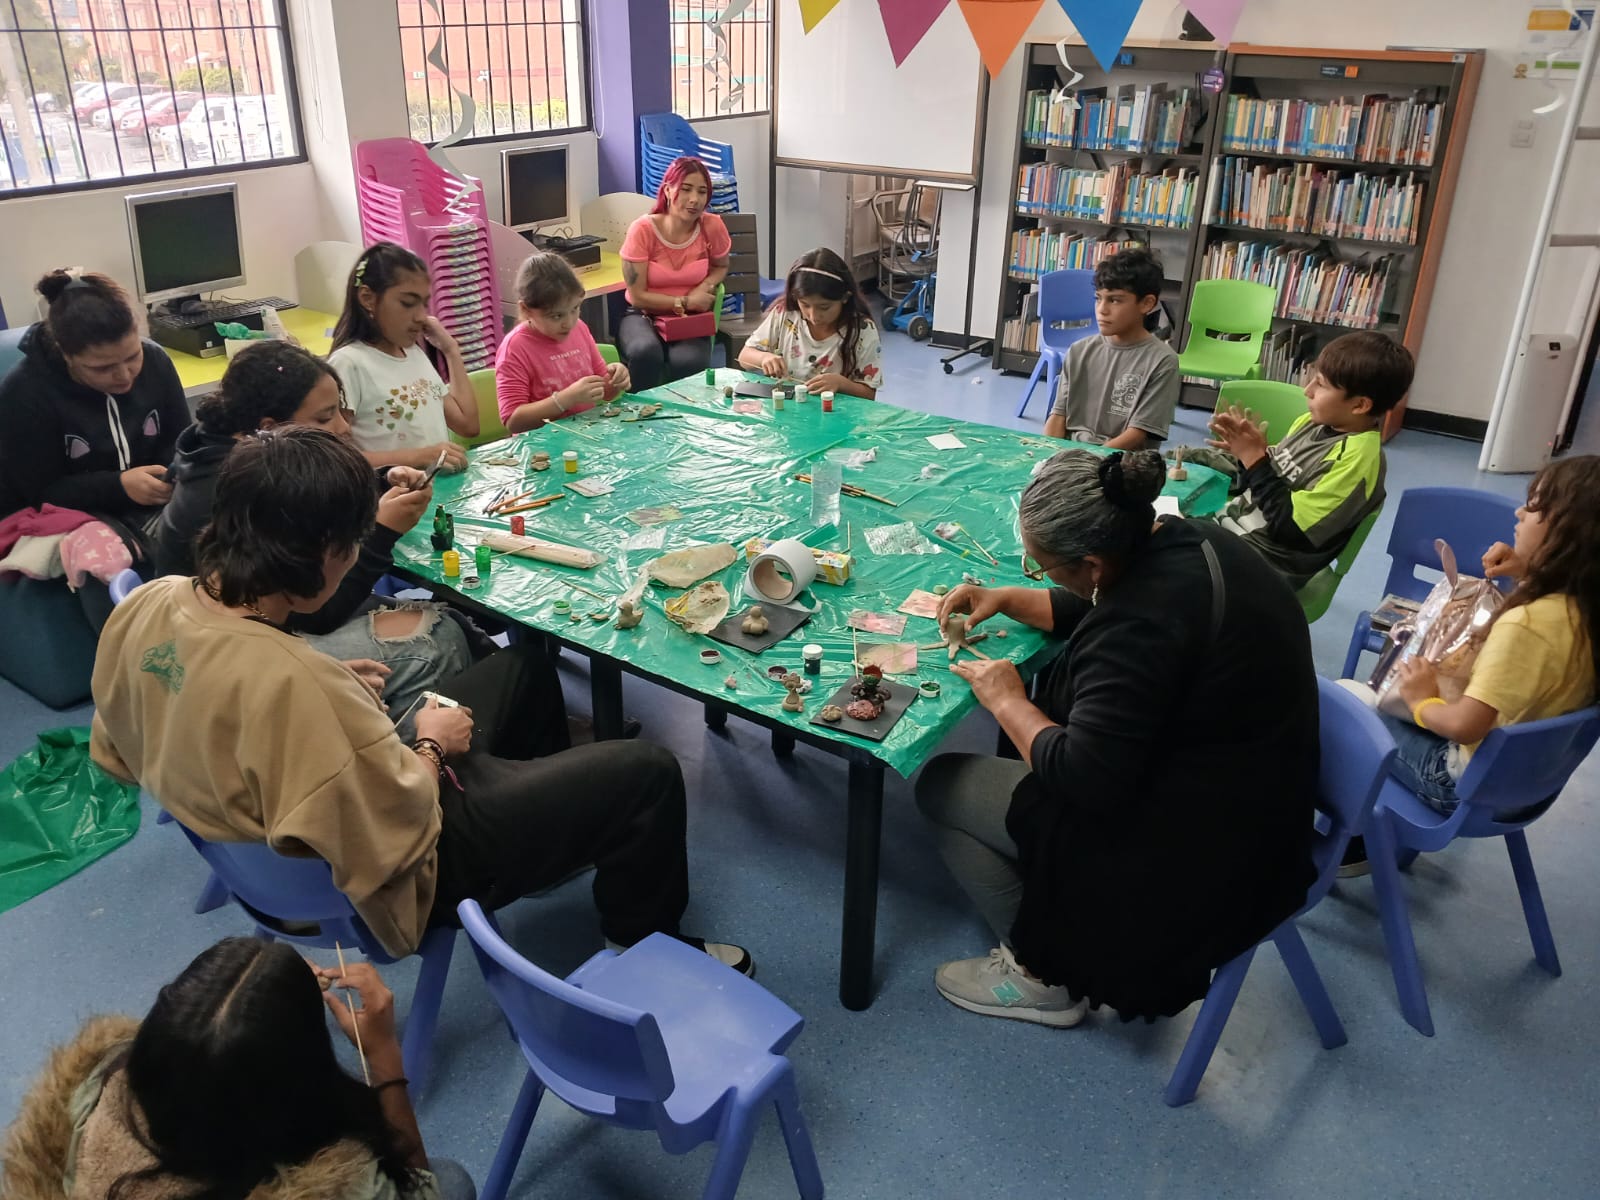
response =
{"points": [[1160, 821]]}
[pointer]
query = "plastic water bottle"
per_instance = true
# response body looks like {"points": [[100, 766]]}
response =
{"points": [[826, 480]]}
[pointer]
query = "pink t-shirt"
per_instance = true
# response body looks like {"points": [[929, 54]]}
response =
{"points": [[531, 366], [670, 269]]}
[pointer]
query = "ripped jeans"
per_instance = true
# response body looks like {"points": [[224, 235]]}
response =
{"points": [[420, 658]]}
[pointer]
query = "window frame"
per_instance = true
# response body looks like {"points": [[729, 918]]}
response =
{"points": [[766, 109], [585, 90], [296, 125]]}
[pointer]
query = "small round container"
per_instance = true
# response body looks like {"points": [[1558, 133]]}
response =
{"points": [[562, 606], [777, 399], [708, 657], [452, 563], [569, 461], [481, 557], [470, 581], [929, 688], [777, 672], [827, 401], [518, 526], [811, 655]]}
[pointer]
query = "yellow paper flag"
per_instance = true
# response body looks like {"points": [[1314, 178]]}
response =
{"points": [[812, 11], [997, 26]]}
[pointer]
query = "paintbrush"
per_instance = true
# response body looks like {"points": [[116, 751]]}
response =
{"points": [[850, 489], [992, 559], [355, 1024], [541, 502]]}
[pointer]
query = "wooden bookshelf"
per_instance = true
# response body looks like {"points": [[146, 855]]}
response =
{"points": [[1350, 201]]}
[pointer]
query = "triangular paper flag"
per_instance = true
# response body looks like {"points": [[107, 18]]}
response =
{"points": [[1103, 25], [907, 22], [1221, 17], [812, 11], [997, 26]]}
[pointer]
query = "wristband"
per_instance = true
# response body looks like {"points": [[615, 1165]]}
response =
{"points": [[1416, 709], [556, 398]]}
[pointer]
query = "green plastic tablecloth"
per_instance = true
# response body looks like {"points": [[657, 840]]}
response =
{"points": [[731, 475]]}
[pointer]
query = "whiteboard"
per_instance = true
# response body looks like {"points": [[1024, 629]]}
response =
{"points": [[842, 104]]}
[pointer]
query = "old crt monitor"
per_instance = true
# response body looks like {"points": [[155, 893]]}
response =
{"points": [[533, 182], [185, 242]]}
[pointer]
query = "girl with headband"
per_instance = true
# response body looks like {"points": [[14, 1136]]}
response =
{"points": [[820, 332]]}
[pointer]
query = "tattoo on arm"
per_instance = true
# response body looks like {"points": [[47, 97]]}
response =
{"points": [[631, 273]]}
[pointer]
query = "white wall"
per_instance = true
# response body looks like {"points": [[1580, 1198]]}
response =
{"points": [[1496, 205], [751, 139]]}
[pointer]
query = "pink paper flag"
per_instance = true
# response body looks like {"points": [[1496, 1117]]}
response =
{"points": [[812, 11], [907, 21], [1221, 17]]}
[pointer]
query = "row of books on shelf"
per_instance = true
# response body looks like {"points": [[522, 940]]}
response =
{"points": [[1312, 284], [1306, 198], [1021, 332], [1143, 117], [1037, 251], [1377, 129], [1119, 193]]}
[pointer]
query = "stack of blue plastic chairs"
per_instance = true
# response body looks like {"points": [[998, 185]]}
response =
{"points": [[666, 136]]}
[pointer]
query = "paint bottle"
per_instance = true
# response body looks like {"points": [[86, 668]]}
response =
{"points": [[569, 462], [452, 564], [811, 656], [481, 556], [518, 526], [711, 377], [827, 401], [777, 399]]}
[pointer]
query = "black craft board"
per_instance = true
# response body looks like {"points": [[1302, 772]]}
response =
{"points": [[755, 390], [781, 622], [900, 698]]}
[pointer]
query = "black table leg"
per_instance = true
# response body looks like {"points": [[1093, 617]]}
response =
{"points": [[605, 691], [716, 716], [782, 743], [865, 832]]}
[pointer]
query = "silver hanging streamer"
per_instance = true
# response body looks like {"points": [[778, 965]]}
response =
{"points": [[720, 64], [469, 109]]}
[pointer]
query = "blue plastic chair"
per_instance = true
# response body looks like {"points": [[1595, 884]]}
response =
{"points": [[1514, 777], [122, 583], [1470, 521], [658, 1037], [284, 896], [1356, 750], [1063, 296]]}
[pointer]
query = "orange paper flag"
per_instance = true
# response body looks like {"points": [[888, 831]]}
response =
{"points": [[812, 11], [997, 26]]}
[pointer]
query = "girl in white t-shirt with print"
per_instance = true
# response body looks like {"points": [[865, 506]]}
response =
{"points": [[820, 332], [401, 411]]}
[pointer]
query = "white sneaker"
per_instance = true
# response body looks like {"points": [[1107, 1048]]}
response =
{"points": [[998, 987]]}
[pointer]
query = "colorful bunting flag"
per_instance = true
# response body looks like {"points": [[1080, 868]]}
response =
{"points": [[1103, 25], [1221, 17], [812, 11], [907, 23], [997, 26]]}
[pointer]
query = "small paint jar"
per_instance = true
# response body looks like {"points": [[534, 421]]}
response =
{"points": [[481, 557], [811, 655], [518, 526], [711, 377], [929, 688], [569, 461], [562, 606], [452, 563], [777, 399], [777, 673], [708, 657], [827, 401]]}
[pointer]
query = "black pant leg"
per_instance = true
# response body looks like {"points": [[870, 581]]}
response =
{"points": [[518, 711], [641, 349], [688, 357]]}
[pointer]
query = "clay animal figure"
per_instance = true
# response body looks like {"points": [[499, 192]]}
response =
{"points": [[792, 702], [870, 695], [629, 614], [832, 714], [955, 632], [1178, 472], [755, 622], [541, 461], [731, 683]]}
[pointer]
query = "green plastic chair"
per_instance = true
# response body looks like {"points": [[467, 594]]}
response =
{"points": [[490, 427], [1229, 306], [1280, 405], [1318, 592], [608, 352]]}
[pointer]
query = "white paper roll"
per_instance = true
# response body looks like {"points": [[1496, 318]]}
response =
{"points": [[781, 572]]}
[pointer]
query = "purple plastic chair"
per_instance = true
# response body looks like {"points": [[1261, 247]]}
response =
{"points": [[659, 1037], [277, 891], [1470, 521], [122, 584], [1514, 777], [1356, 750], [1063, 296]]}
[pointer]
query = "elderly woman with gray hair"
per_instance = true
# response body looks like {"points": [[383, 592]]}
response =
{"points": [[1159, 822]]}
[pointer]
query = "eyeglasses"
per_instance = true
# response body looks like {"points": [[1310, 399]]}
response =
{"points": [[1032, 570]]}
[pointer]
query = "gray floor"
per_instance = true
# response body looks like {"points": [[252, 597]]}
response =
{"points": [[916, 1098]]}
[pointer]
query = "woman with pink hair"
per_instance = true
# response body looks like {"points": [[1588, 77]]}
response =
{"points": [[672, 260]]}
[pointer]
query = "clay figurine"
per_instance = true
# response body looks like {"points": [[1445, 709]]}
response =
{"points": [[649, 410], [755, 622], [870, 695], [629, 615], [444, 530], [791, 702], [598, 616], [1177, 472], [727, 391], [832, 714], [541, 461], [610, 410], [955, 633], [731, 683]]}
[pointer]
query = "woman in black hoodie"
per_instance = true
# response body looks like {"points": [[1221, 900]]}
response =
{"points": [[89, 417]]}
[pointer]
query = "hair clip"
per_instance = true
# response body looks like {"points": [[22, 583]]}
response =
{"points": [[361, 269]]}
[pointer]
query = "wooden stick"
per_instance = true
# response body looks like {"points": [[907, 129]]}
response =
{"points": [[499, 504], [855, 651], [850, 489], [354, 1023], [977, 637], [541, 502], [992, 559], [552, 552]]}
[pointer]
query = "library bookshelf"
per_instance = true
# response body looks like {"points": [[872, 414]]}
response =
{"points": [[1327, 174]]}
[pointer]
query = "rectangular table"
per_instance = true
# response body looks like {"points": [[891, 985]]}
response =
{"points": [[200, 376], [730, 475]]}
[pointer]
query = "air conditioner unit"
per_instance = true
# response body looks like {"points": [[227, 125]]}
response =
{"points": [[1540, 384]]}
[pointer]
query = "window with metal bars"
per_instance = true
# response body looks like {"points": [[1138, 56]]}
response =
{"points": [[721, 58], [98, 91], [521, 61]]}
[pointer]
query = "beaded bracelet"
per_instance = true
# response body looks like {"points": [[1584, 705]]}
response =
{"points": [[432, 751]]}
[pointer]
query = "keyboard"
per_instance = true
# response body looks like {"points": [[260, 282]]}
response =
{"points": [[220, 312]]}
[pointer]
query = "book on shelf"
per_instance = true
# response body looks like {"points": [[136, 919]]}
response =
{"points": [[1286, 352], [1148, 117], [1306, 198], [1121, 192], [1312, 284], [1375, 129], [1036, 251]]}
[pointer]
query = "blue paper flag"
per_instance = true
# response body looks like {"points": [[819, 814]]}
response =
{"points": [[1103, 25]]}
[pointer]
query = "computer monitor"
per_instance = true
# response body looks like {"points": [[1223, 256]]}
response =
{"points": [[533, 181], [185, 242]]}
